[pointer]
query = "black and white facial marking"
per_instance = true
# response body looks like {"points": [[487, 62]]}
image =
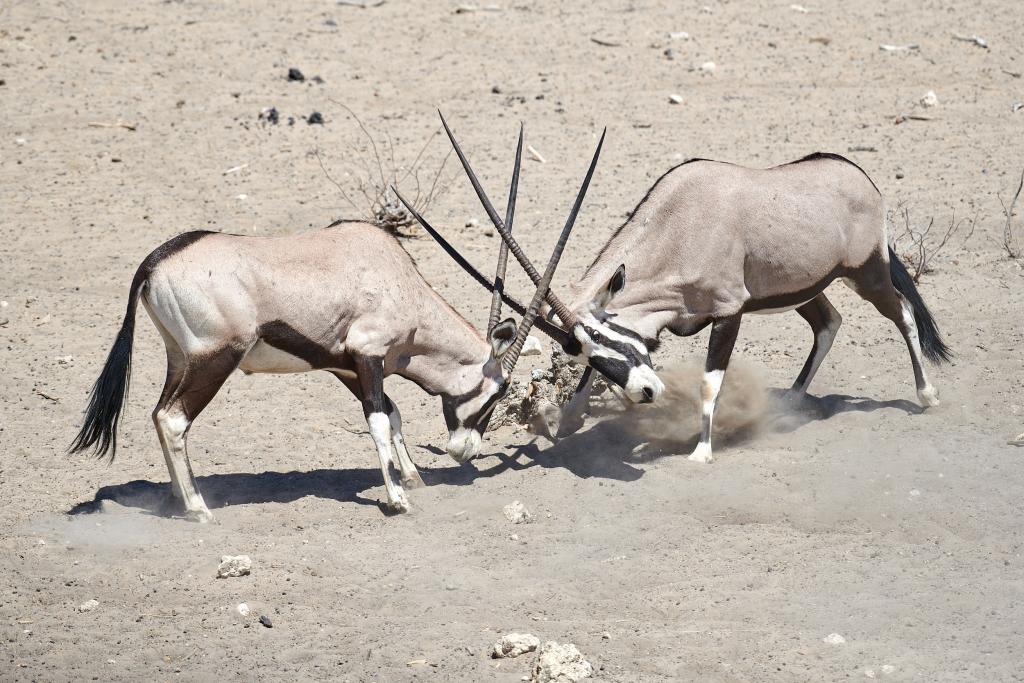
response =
{"points": [[615, 351], [467, 415]]}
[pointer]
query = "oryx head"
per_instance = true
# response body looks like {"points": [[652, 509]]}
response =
{"points": [[591, 337], [467, 414]]}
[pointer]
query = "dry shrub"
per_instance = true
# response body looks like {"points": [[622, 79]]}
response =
{"points": [[916, 245]]}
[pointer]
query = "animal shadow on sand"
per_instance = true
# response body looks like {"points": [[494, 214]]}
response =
{"points": [[613, 448]]}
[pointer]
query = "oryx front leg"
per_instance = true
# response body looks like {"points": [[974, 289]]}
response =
{"points": [[824, 320], [410, 476], [371, 385], [723, 338]]}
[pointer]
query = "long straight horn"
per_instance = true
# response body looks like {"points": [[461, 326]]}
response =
{"points": [[556, 333], [510, 210], [543, 287], [567, 317]]}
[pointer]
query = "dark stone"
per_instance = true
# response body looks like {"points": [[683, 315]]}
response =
{"points": [[295, 75], [265, 620], [315, 118]]}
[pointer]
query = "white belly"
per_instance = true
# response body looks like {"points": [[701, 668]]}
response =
{"points": [[265, 358]]}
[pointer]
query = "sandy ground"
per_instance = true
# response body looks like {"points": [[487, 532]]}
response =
{"points": [[858, 515]]}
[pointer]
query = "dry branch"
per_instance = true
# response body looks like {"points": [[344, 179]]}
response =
{"points": [[1009, 239]]}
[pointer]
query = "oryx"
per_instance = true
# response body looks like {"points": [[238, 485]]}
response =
{"points": [[711, 241], [347, 299]]}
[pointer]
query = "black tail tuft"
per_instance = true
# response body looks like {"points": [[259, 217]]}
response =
{"points": [[932, 346], [111, 389]]}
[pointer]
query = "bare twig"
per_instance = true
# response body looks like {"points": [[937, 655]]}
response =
{"points": [[341, 189], [922, 250], [1009, 239], [119, 124]]}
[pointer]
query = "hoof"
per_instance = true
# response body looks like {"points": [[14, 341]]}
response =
{"points": [[413, 481], [399, 506], [202, 516], [929, 398], [702, 453]]}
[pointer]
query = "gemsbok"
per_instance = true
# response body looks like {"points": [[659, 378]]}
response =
{"points": [[711, 241], [347, 299]]}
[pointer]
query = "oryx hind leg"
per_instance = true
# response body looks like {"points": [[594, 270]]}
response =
{"points": [[873, 284], [723, 337], [824, 320], [191, 384]]}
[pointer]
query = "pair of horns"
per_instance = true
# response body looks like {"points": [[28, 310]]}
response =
{"points": [[504, 228]]}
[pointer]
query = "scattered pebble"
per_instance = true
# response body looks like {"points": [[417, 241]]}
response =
{"points": [[679, 35], [708, 67], [65, 361], [472, 223], [243, 609], [670, 53], [675, 99], [800, 8], [899, 48], [265, 620], [515, 644], [496, 89], [239, 565], [532, 346], [888, 669], [560, 664], [88, 605], [295, 75], [1017, 440], [20, 142], [269, 115], [1016, 107], [834, 639], [316, 118], [915, 492], [517, 513], [929, 99], [4, 304]]}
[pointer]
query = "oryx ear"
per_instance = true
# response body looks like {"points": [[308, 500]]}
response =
{"points": [[502, 336], [615, 286]]}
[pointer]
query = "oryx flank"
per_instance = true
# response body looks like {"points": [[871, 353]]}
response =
{"points": [[712, 241], [347, 299]]}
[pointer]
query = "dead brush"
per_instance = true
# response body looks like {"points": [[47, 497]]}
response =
{"points": [[1010, 244], [917, 245], [375, 176]]}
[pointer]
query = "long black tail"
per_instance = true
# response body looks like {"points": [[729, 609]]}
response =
{"points": [[932, 346], [111, 389]]}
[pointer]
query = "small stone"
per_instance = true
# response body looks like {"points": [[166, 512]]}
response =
{"points": [[834, 639], [888, 669], [670, 53], [4, 304], [531, 347], [929, 99], [472, 223], [675, 99], [496, 89], [513, 537], [243, 609], [915, 493], [679, 35], [265, 620], [20, 142], [88, 605], [708, 67], [270, 115], [517, 513], [316, 118], [869, 673], [65, 361], [515, 644], [899, 175], [239, 565], [560, 664], [295, 75]]}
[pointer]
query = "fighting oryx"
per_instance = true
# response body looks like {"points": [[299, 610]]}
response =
{"points": [[347, 299], [711, 241]]}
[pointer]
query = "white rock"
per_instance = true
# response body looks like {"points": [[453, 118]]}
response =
{"points": [[834, 639], [64, 360], [870, 673], [915, 493], [531, 347], [472, 223], [888, 669], [517, 513], [929, 99], [88, 605], [675, 99], [679, 35], [4, 304], [708, 67], [239, 565], [243, 609], [560, 664], [515, 644]]}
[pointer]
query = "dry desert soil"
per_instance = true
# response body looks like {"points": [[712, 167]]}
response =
{"points": [[855, 513]]}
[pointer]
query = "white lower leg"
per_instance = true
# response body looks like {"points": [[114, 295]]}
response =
{"points": [[709, 388], [926, 393], [410, 477], [380, 430], [173, 428]]}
